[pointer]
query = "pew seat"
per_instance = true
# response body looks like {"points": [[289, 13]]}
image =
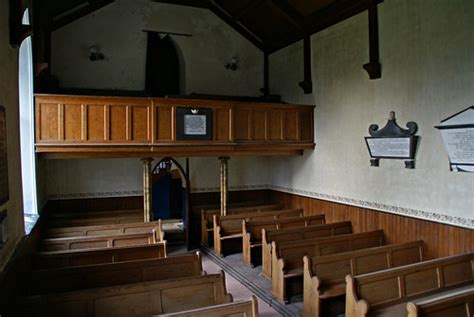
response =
{"points": [[331, 229], [101, 275], [247, 308], [252, 233], [95, 218], [324, 276], [287, 257], [229, 228], [387, 292], [140, 300]]}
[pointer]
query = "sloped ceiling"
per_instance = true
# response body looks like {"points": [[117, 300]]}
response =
{"points": [[269, 24]]}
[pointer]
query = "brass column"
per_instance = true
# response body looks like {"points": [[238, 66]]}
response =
{"points": [[224, 184], [147, 216]]}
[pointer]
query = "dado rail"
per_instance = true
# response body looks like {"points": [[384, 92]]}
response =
{"points": [[91, 126]]}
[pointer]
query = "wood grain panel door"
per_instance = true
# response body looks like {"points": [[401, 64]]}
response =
{"points": [[275, 125], [222, 125], [47, 122], [259, 125]]}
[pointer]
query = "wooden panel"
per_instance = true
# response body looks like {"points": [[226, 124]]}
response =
{"points": [[118, 123], [72, 122], [95, 123], [305, 125], [164, 126], [259, 125], [242, 124], [275, 125], [222, 125], [49, 122], [440, 240], [91, 127], [291, 129], [140, 121]]}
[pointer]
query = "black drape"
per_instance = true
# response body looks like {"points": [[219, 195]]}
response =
{"points": [[162, 66]]}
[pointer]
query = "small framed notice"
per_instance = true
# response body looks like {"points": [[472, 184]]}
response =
{"points": [[193, 124]]}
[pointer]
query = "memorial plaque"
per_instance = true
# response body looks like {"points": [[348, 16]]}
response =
{"points": [[457, 132], [392, 142], [193, 123], [389, 147], [4, 189]]}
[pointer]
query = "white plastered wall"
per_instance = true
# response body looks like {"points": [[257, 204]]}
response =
{"points": [[117, 30], [426, 51]]}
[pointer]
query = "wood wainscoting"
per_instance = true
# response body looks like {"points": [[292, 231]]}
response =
{"points": [[440, 239]]}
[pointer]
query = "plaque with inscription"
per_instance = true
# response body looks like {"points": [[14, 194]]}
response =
{"points": [[4, 189], [457, 132], [392, 142], [193, 123]]}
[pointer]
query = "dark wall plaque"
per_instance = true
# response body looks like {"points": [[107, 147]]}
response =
{"points": [[193, 124], [392, 142], [4, 190]]}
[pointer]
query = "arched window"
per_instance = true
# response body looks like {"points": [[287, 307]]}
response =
{"points": [[28, 166]]}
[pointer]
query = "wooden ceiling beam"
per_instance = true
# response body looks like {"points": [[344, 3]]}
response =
{"points": [[226, 17], [187, 3], [93, 6], [289, 13], [246, 9]]}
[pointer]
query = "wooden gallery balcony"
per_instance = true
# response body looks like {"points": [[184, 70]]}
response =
{"points": [[86, 126]]}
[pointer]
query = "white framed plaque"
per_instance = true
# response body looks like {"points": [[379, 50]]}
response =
{"points": [[195, 124], [389, 147], [457, 133]]}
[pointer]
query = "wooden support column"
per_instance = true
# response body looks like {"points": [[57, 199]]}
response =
{"points": [[147, 211], [373, 67], [307, 84], [224, 184], [266, 75]]}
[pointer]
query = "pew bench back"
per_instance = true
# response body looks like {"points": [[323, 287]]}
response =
{"points": [[247, 308], [331, 229], [404, 283], [105, 230], [143, 299], [58, 259], [101, 275], [324, 276], [98, 242]]}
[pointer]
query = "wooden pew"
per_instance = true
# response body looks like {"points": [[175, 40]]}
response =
{"points": [[101, 275], [387, 292], [323, 276], [287, 257], [97, 242], [229, 227], [208, 214], [252, 232], [458, 302], [58, 259], [141, 299], [247, 308], [105, 230], [331, 229], [120, 217]]}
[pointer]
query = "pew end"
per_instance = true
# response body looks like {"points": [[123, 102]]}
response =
{"points": [[355, 307], [311, 283]]}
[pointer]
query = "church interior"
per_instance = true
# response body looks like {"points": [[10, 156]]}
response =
{"points": [[237, 158]]}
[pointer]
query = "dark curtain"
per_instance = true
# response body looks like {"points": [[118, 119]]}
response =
{"points": [[162, 66]]}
